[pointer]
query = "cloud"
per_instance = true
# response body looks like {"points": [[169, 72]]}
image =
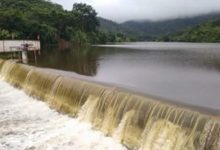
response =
{"points": [[122, 10]]}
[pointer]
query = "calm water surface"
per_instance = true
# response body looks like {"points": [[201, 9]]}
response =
{"points": [[186, 73]]}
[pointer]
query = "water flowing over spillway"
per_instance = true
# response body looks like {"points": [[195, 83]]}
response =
{"points": [[29, 124], [135, 121]]}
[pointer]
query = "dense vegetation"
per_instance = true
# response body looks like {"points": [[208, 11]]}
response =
{"points": [[206, 32], [152, 30], [31, 19], [113, 27], [148, 30]]}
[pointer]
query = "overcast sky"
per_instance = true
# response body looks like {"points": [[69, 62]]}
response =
{"points": [[122, 10]]}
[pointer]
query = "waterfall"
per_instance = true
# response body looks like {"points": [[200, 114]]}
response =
{"points": [[139, 122]]}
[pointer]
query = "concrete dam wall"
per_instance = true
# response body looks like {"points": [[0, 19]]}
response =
{"points": [[136, 121]]}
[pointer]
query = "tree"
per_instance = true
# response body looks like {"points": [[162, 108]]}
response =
{"points": [[4, 34], [86, 17], [27, 19], [80, 38]]}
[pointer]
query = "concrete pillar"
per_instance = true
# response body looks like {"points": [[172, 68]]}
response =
{"points": [[24, 57]]}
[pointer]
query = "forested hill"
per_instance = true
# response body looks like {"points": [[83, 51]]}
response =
{"points": [[111, 26], [148, 30], [29, 19], [205, 32]]}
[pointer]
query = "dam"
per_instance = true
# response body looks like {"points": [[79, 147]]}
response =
{"points": [[136, 121]]}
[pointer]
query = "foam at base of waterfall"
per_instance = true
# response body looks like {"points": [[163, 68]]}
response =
{"points": [[29, 124]]}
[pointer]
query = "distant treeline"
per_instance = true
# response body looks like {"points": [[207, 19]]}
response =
{"points": [[33, 19], [153, 30], [205, 32]]}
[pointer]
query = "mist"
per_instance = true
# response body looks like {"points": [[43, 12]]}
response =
{"points": [[154, 10]]}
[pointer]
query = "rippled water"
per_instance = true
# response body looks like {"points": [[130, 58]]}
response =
{"points": [[26, 123], [181, 72]]}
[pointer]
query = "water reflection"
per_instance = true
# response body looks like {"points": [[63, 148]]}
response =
{"points": [[86, 61], [82, 61]]}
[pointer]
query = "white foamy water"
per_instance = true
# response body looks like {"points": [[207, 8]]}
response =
{"points": [[26, 123]]}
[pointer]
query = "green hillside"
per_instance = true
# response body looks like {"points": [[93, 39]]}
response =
{"points": [[29, 19], [148, 29], [206, 32], [111, 26]]}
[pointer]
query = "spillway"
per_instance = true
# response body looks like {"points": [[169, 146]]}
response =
{"points": [[28, 124], [138, 122]]}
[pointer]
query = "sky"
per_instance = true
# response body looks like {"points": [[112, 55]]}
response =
{"points": [[123, 10]]}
